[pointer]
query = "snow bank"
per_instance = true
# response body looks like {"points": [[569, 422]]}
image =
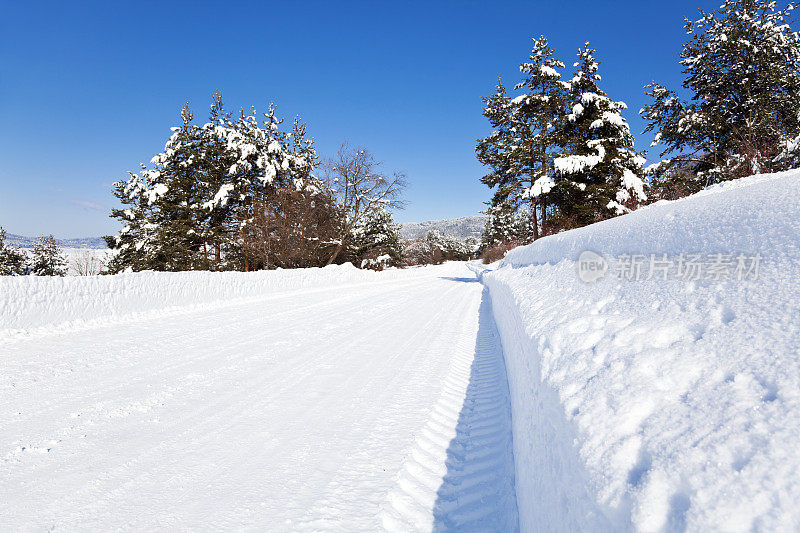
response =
{"points": [[30, 303], [659, 404], [701, 222]]}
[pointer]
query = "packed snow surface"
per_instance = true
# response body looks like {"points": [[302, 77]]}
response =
{"points": [[659, 404], [323, 399]]}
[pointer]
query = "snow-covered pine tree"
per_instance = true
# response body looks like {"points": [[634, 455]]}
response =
{"points": [[302, 158], [13, 261], [260, 163], [495, 152], [451, 248], [375, 241], [742, 73], [535, 137], [251, 161], [522, 146], [175, 195], [501, 225], [192, 209], [47, 258], [599, 173], [283, 212], [132, 247], [164, 219], [216, 166]]}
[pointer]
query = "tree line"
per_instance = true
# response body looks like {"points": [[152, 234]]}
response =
{"points": [[560, 154], [243, 193], [46, 258]]}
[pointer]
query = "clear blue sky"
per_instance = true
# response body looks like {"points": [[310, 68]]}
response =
{"points": [[88, 90]]}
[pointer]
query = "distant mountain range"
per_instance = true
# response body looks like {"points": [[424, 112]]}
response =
{"points": [[455, 227], [85, 242]]}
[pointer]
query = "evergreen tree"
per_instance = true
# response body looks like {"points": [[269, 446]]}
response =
{"points": [[176, 194], [217, 169], [376, 236], [259, 170], [501, 226], [520, 149], [536, 138], [279, 202], [302, 157], [13, 261], [133, 246], [506, 226], [48, 259], [495, 151], [451, 248], [741, 72], [598, 175], [197, 206]]}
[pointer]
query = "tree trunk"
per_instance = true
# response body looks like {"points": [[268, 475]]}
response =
{"points": [[544, 213], [244, 249], [335, 254]]}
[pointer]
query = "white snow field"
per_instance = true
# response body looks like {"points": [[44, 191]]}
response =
{"points": [[324, 399], [441, 398], [659, 405]]}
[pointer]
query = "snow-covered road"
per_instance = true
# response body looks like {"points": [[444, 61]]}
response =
{"points": [[345, 408]]}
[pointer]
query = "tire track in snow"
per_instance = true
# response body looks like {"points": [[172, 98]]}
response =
{"points": [[431, 337], [459, 475]]}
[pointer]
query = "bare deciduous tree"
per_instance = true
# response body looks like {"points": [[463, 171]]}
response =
{"points": [[359, 186], [87, 263]]}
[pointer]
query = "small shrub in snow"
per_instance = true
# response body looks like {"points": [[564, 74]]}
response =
{"points": [[87, 263], [498, 251]]}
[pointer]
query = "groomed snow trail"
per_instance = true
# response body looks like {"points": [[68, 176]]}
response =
{"points": [[307, 410], [467, 441]]}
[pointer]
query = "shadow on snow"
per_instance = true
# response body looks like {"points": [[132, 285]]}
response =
{"points": [[477, 491]]}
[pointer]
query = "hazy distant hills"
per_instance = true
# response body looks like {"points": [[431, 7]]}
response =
{"points": [[84, 242], [456, 227]]}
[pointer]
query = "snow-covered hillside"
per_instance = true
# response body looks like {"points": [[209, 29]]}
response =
{"points": [[660, 404], [93, 243], [460, 228]]}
